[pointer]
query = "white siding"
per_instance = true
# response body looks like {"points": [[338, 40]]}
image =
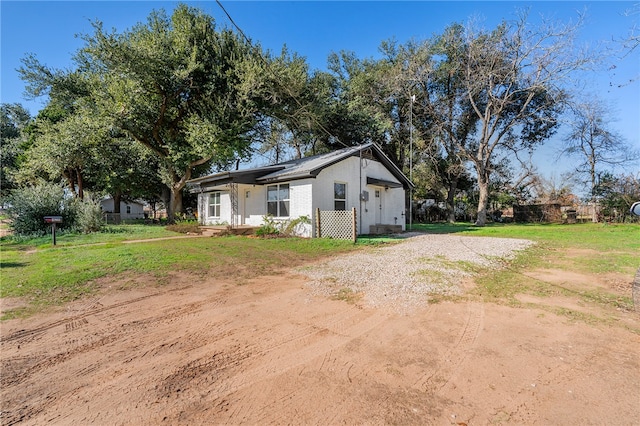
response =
{"points": [[349, 171], [301, 196], [136, 209], [254, 207], [306, 195]]}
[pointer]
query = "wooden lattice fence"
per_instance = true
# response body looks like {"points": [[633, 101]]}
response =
{"points": [[338, 224]]}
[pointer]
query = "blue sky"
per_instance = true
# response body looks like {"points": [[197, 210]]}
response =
{"points": [[315, 29]]}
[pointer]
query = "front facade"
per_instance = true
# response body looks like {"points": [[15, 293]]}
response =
{"points": [[128, 209], [357, 177]]}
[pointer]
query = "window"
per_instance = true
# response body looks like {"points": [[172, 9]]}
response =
{"points": [[339, 196], [214, 204], [128, 209], [278, 200]]}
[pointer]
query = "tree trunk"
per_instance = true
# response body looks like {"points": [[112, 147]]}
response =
{"points": [[117, 197], [174, 202], [176, 195], [167, 196], [80, 183], [483, 199], [451, 194], [70, 181]]}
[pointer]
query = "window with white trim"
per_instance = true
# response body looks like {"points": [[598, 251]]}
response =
{"points": [[214, 204], [128, 209], [278, 200], [339, 196]]}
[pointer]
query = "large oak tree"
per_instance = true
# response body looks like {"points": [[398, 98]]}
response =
{"points": [[178, 86]]}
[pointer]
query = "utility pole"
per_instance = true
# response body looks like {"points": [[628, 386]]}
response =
{"points": [[413, 99]]}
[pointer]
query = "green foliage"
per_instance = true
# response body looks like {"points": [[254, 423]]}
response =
{"points": [[180, 87], [89, 215], [293, 227], [29, 206], [54, 275], [185, 228], [13, 120], [268, 228], [286, 228], [616, 195]]}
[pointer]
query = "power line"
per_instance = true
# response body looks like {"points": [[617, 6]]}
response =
{"points": [[277, 76]]}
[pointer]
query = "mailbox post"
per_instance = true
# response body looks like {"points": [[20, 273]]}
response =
{"points": [[53, 220]]}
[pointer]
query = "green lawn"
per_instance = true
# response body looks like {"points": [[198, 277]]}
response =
{"points": [[46, 275], [592, 249], [111, 233]]}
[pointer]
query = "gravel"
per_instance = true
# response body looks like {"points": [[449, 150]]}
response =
{"points": [[404, 275]]}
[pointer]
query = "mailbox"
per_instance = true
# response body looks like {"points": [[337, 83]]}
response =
{"points": [[53, 219]]}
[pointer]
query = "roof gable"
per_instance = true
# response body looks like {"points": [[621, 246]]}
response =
{"points": [[307, 167]]}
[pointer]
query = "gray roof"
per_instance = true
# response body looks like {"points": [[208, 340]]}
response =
{"points": [[307, 167]]}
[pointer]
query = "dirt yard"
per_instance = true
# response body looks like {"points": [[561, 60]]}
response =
{"points": [[271, 351]]}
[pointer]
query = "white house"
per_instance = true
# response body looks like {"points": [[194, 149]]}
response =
{"points": [[360, 177], [128, 209]]}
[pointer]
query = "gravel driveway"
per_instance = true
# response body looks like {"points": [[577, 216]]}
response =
{"points": [[403, 275]]}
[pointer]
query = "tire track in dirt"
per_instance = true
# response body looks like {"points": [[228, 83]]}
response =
{"points": [[69, 348], [294, 360], [454, 357], [533, 391], [236, 378], [107, 328], [27, 334]]}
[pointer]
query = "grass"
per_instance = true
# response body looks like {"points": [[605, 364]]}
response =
{"points": [[111, 234], [45, 275], [590, 248], [347, 295]]}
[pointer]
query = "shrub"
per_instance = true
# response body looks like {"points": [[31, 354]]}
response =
{"points": [[294, 227], [185, 228], [89, 215], [268, 228], [285, 228], [29, 206]]}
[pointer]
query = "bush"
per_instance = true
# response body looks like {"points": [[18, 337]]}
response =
{"points": [[286, 228], [89, 215], [29, 206], [269, 227], [185, 228]]}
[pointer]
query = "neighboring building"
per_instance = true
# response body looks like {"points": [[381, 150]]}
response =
{"points": [[128, 210], [360, 177]]}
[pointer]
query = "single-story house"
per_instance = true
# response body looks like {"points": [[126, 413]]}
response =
{"points": [[128, 209], [360, 177]]}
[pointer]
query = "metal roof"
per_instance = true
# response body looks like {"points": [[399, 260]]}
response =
{"points": [[302, 168]]}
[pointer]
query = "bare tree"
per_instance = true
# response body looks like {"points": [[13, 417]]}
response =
{"points": [[515, 78], [594, 143], [632, 41]]}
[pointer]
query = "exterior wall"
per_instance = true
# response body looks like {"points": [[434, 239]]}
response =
{"points": [[349, 172], [392, 199], [225, 208], [306, 195], [300, 204], [252, 206], [136, 209]]}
